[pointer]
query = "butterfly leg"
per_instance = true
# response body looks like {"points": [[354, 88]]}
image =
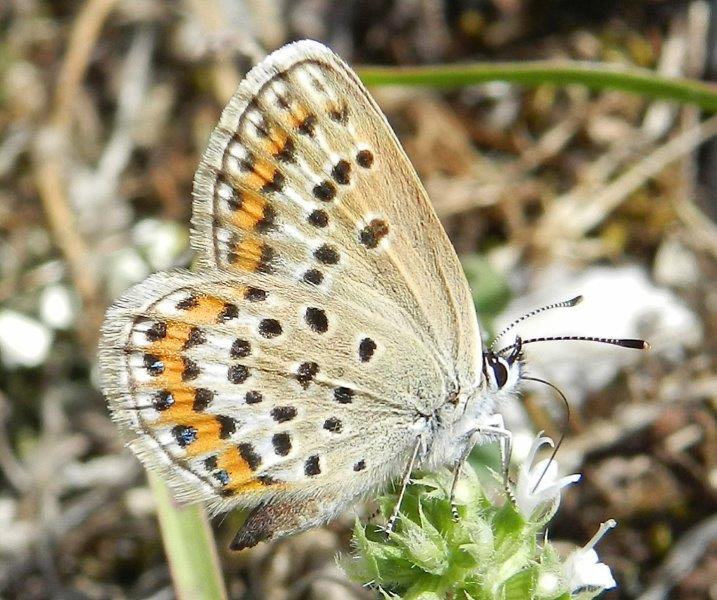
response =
{"points": [[457, 472], [495, 428], [404, 484], [281, 518], [505, 439]]}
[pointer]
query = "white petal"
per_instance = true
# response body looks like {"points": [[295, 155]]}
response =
{"points": [[582, 568], [542, 475], [539, 484]]}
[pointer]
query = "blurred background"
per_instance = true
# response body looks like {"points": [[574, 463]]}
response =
{"points": [[105, 108]]}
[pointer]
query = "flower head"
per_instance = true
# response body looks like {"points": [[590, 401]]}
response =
{"points": [[491, 551], [582, 569], [538, 485]]}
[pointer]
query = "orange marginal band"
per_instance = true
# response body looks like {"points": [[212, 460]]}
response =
{"points": [[247, 255], [241, 477], [252, 211]]}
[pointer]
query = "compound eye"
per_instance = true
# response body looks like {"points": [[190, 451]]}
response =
{"points": [[499, 372]]}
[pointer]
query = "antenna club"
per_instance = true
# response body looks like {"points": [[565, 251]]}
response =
{"points": [[634, 344], [575, 301]]}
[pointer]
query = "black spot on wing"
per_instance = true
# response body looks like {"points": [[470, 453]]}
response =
{"points": [[250, 455], [366, 349], [202, 398], [281, 414], [316, 319], [282, 443], [311, 466]]}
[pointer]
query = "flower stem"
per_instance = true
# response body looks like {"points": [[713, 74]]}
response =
{"points": [[189, 546]]}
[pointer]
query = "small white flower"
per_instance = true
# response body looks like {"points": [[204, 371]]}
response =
{"points": [[582, 569], [538, 485]]}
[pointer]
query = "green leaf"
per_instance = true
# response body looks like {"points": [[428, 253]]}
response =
{"points": [[481, 546], [364, 567], [598, 76], [424, 545], [520, 586], [507, 524]]}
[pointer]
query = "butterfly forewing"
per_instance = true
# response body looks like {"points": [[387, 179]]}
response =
{"points": [[328, 313], [305, 179]]}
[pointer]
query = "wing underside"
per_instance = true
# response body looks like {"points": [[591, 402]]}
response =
{"points": [[327, 312]]}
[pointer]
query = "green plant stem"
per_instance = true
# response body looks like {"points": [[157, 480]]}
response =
{"points": [[189, 545], [592, 75]]}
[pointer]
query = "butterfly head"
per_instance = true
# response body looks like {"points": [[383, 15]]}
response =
{"points": [[502, 370]]}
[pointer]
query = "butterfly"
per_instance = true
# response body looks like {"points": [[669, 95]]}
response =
{"points": [[326, 342]]}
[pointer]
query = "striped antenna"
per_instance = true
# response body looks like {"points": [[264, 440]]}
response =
{"points": [[564, 304], [622, 342]]}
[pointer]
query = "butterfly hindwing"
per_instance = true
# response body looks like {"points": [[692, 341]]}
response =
{"points": [[237, 392]]}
